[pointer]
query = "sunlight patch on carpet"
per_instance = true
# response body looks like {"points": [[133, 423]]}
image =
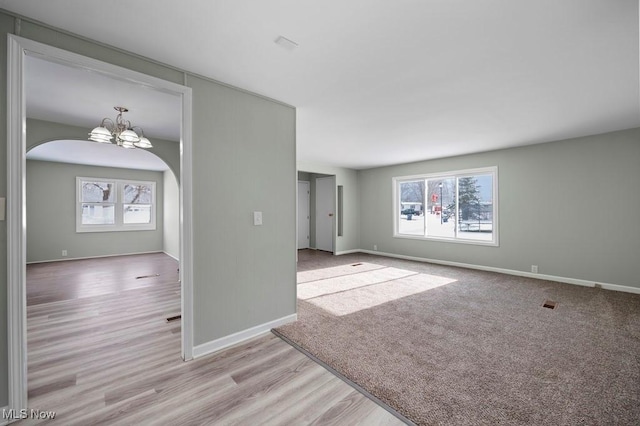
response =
{"points": [[335, 271], [346, 294], [349, 282]]}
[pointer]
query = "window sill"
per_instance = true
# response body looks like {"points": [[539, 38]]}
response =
{"points": [[449, 240], [116, 229]]}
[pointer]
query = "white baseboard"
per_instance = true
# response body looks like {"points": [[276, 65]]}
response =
{"points": [[94, 257], [172, 256], [338, 253], [239, 337], [576, 281], [616, 287]]}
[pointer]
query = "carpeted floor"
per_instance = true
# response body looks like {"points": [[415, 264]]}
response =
{"points": [[451, 346]]}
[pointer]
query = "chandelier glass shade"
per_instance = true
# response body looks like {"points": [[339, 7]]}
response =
{"points": [[121, 131]]}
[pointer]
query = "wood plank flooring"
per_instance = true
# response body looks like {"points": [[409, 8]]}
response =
{"points": [[101, 352]]}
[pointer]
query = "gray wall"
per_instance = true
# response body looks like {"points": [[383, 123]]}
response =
{"points": [[171, 210], [51, 214], [570, 207], [303, 176], [244, 160]]}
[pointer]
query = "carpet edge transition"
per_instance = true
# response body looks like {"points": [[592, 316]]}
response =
{"points": [[345, 379]]}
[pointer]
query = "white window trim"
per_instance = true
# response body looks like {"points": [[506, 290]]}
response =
{"points": [[119, 224], [493, 170]]}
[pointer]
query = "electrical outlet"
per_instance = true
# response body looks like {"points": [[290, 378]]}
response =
{"points": [[64, 252], [534, 269], [375, 247]]}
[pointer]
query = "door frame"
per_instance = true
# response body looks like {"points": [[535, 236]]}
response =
{"points": [[308, 184], [18, 48]]}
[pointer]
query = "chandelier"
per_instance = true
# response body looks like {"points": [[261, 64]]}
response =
{"points": [[126, 135]]}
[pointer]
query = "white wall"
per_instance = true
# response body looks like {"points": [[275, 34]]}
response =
{"points": [[171, 224]]}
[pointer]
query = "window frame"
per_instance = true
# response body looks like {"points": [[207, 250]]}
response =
{"points": [[118, 203], [456, 174]]}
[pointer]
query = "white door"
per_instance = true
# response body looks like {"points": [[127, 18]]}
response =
{"points": [[303, 215], [325, 212]]}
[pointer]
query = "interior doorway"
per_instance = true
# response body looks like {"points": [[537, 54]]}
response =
{"points": [[18, 51], [326, 231]]}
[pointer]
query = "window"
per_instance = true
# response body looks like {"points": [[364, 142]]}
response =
{"points": [[114, 205], [457, 206], [97, 203], [137, 203]]}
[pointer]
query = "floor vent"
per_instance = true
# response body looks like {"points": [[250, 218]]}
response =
{"points": [[549, 304], [176, 318], [147, 276], [356, 264]]}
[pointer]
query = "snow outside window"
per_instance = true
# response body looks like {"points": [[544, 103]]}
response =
{"points": [[106, 205], [458, 206]]}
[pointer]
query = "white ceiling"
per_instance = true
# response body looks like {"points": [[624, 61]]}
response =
{"points": [[96, 154], [77, 96], [380, 82]]}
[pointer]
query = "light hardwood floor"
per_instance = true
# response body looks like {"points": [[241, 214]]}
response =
{"points": [[101, 352]]}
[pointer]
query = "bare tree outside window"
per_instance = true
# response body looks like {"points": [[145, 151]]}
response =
{"points": [[98, 206], [413, 192], [97, 192], [412, 207], [137, 194], [137, 203], [114, 205]]}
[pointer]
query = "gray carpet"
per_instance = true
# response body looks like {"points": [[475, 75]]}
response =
{"points": [[463, 347]]}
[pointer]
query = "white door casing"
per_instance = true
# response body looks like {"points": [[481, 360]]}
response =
{"points": [[18, 48], [303, 214]]}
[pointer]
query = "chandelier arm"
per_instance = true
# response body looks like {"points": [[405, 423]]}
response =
{"points": [[141, 133], [108, 124]]}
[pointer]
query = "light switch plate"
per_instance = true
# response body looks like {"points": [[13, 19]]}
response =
{"points": [[257, 218]]}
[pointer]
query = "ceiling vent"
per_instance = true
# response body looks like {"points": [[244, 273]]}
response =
{"points": [[287, 44]]}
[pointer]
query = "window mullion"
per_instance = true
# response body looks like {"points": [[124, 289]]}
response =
{"points": [[425, 197], [456, 208], [118, 206]]}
